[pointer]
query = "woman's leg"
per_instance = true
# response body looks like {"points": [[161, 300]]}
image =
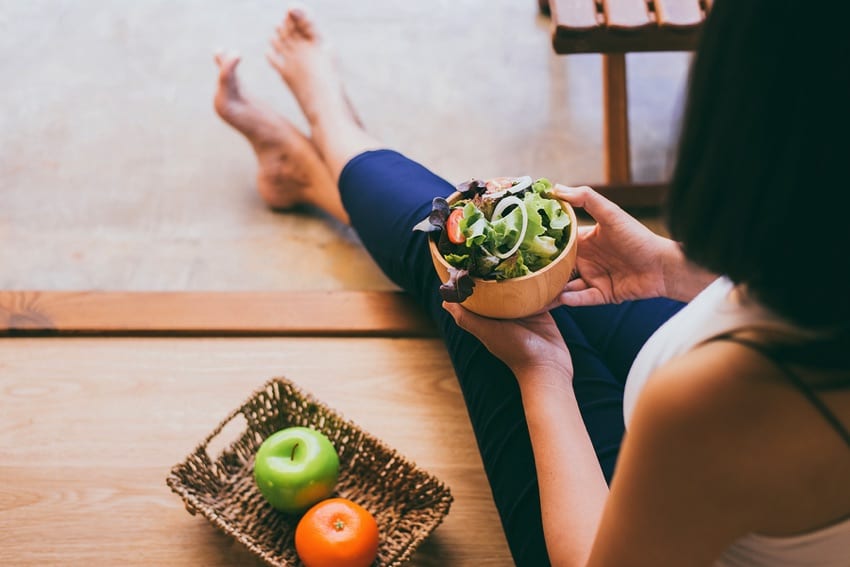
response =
{"points": [[386, 194], [604, 341], [382, 188], [302, 56]]}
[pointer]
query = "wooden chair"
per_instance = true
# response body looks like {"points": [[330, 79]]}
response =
{"points": [[614, 28]]}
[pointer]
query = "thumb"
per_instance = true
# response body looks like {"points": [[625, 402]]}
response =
{"points": [[594, 204]]}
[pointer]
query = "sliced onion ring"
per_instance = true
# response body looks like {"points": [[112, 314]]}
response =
{"points": [[522, 183], [497, 214]]}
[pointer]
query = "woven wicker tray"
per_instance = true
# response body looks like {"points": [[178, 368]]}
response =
{"points": [[407, 502]]}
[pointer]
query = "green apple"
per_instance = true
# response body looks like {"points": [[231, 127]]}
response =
{"points": [[296, 467]]}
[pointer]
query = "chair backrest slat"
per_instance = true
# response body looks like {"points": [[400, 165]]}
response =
{"points": [[678, 13], [575, 14], [623, 26], [628, 14]]}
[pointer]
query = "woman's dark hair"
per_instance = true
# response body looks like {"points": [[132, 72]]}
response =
{"points": [[763, 167]]}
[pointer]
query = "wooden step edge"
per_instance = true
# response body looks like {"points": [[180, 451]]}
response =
{"points": [[212, 313]]}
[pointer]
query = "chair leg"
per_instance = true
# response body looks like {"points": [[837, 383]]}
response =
{"points": [[617, 161]]}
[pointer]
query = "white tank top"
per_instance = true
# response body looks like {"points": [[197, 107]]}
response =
{"points": [[716, 310]]}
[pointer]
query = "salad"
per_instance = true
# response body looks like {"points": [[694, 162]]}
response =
{"points": [[502, 228]]}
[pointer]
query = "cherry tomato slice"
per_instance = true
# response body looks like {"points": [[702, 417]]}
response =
{"points": [[453, 227]]}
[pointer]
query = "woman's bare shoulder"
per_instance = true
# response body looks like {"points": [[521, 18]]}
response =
{"points": [[758, 431]]}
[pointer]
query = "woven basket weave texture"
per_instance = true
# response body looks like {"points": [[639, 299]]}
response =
{"points": [[407, 502]]}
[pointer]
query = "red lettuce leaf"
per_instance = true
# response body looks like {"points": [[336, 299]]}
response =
{"points": [[458, 288]]}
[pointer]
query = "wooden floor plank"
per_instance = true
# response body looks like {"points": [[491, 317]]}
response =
{"points": [[333, 313]]}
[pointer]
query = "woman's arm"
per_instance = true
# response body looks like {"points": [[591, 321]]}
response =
{"points": [[684, 485], [675, 498], [701, 463], [683, 279], [572, 486], [691, 476]]}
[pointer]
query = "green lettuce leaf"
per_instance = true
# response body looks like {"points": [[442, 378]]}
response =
{"points": [[542, 246], [534, 262], [541, 185], [540, 240], [457, 260], [557, 218], [512, 267], [474, 226], [546, 234], [505, 231]]}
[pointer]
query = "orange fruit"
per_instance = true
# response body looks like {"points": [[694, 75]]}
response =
{"points": [[337, 533]]}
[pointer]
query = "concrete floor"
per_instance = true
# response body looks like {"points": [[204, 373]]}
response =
{"points": [[115, 173]]}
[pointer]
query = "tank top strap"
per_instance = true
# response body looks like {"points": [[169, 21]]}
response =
{"points": [[793, 377]]}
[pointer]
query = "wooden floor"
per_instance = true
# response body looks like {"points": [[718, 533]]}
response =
{"points": [[119, 186], [90, 428]]}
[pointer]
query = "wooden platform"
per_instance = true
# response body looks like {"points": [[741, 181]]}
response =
{"points": [[128, 181], [92, 424]]}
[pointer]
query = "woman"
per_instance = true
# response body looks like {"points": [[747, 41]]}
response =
{"points": [[722, 352]]}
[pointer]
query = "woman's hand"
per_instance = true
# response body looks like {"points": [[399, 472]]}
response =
{"points": [[619, 258], [525, 345]]}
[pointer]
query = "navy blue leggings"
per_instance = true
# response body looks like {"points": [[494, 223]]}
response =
{"points": [[385, 195]]}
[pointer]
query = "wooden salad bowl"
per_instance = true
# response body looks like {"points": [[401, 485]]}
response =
{"points": [[517, 297]]}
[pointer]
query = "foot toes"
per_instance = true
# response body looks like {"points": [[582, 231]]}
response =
{"points": [[302, 24], [276, 55], [226, 59], [227, 73], [227, 98], [278, 46], [275, 61], [289, 28]]}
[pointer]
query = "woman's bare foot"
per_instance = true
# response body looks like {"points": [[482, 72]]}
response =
{"points": [[304, 60], [291, 171]]}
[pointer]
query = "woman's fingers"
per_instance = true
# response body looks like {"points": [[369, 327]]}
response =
{"points": [[463, 317], [581, 297], [592, 202]]}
